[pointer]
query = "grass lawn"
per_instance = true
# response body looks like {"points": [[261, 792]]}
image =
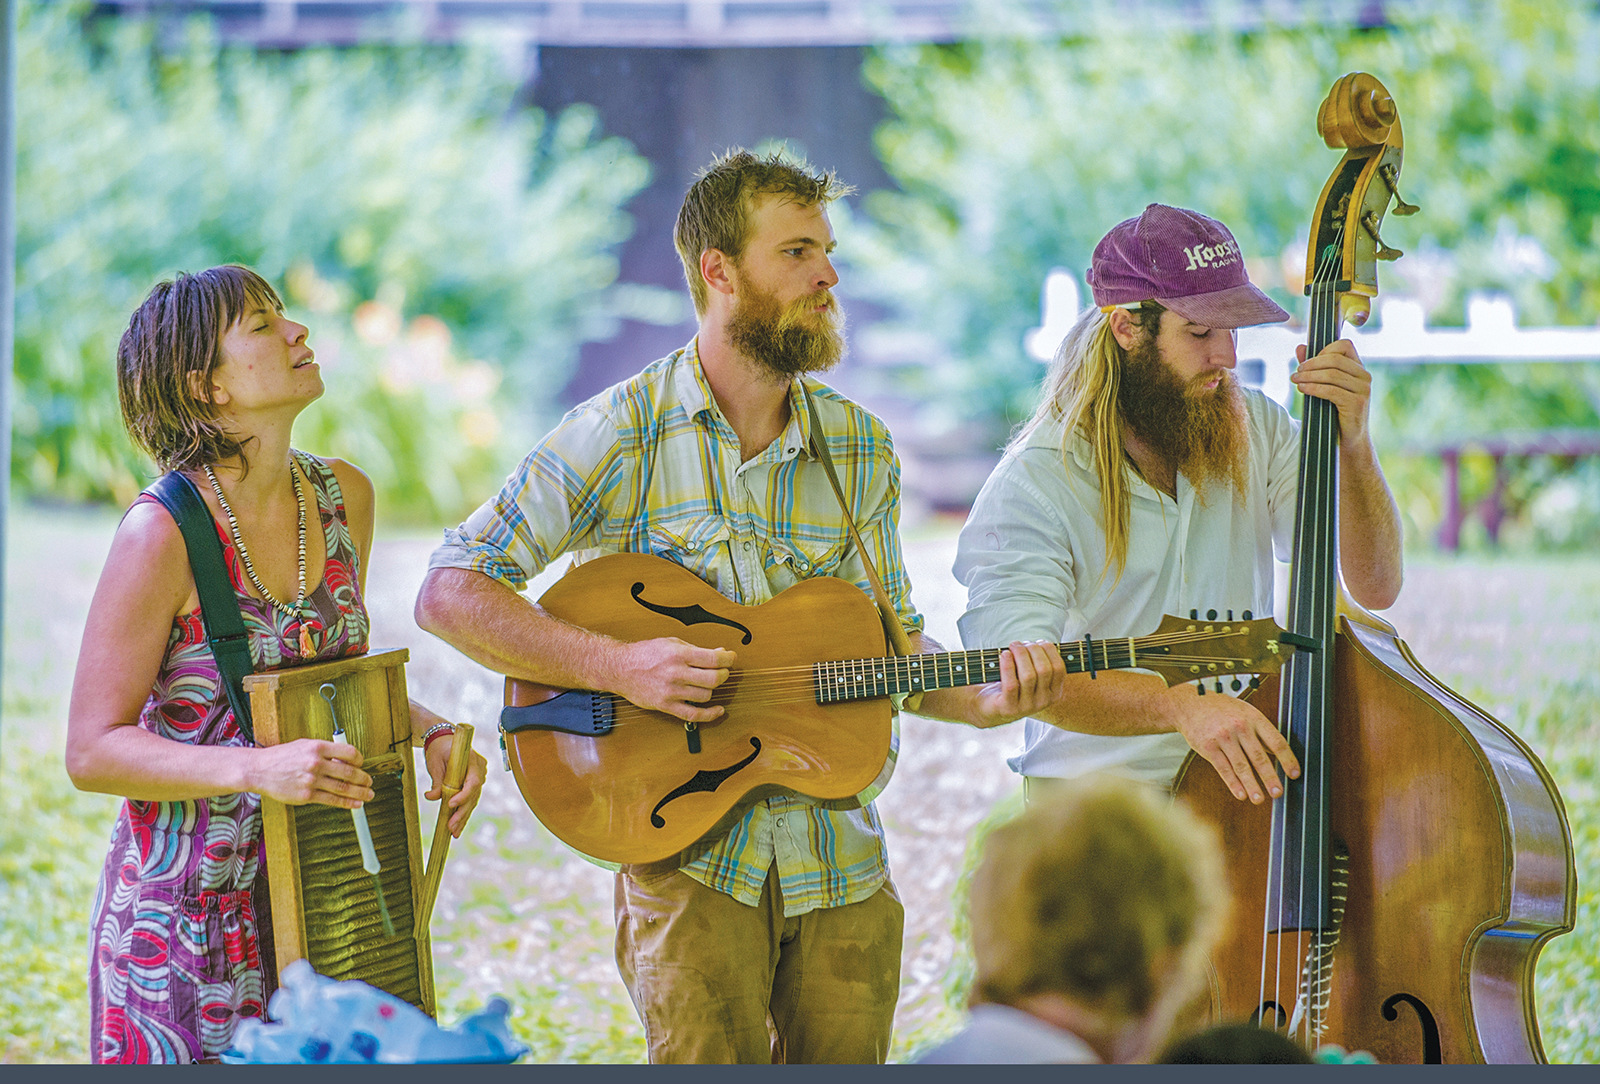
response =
{"points": [[522, 916]]}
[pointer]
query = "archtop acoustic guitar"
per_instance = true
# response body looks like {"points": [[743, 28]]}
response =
{"points": [[807, 708]]}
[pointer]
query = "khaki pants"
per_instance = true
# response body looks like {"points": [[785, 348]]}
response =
{"points": [[716, 981]]}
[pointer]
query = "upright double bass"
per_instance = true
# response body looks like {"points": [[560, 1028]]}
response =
{"points": [[1396, 898]]}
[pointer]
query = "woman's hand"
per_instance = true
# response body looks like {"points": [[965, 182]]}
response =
{"points": [[308, 770], [462, 803]]}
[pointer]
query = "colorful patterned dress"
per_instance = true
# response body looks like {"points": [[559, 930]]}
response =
{"points": [[180, 940]]}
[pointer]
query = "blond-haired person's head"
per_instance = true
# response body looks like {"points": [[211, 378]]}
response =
{"points": [[719, 207], [1095, 910]]}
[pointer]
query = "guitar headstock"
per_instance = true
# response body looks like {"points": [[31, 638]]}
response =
{"points": [[1203, 648]]}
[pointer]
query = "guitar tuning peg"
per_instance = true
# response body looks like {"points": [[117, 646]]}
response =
{"points": [[1211, 615], [1255, 681], [1200, 687], [1237, 685], [1194, 615], [1230, 615], [1248, 616], [1219, 684]]}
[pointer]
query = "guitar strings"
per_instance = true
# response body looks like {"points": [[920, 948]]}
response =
{"points": [[799, 683]]}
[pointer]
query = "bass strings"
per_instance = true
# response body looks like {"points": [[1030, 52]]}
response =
{"points": [[1311, 568]]}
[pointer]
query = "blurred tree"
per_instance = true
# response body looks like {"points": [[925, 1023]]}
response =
{"points": [[1016, 151], [413, 220]]}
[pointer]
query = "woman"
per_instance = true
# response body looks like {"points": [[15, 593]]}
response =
{"points": [[211, 377]]}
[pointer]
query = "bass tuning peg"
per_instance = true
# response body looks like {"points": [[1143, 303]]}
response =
{"points": [[1391, 177], [1384, 252]]}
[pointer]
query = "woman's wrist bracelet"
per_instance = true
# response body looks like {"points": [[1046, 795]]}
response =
{"points": [[435, 731]]}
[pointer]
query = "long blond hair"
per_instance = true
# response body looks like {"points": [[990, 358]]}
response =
{"points": [[1080, 396]]}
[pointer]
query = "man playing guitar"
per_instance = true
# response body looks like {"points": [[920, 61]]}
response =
{"points": [[780, 939]]}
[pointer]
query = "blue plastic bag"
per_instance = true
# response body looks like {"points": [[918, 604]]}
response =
{"points": [[318, 1020]]}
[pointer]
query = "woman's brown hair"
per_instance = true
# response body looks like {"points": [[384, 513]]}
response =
{"points": [[176, 332]]}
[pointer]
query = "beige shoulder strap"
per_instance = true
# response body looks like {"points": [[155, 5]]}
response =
{"points": [[891, 620]]}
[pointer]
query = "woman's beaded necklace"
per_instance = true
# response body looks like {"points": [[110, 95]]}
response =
{"points": [[244, 555]]}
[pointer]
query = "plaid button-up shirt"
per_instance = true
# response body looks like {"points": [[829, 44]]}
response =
{"points": [[652, 466]]}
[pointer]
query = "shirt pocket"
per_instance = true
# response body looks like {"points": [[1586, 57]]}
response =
{"points": [[790, 560], [698, 543]]}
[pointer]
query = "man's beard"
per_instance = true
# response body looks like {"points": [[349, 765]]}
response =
{"points": [[1201, 433], [787, 340]]}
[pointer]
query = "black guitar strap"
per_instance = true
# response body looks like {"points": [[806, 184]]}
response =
{"points": [[219, 606]]}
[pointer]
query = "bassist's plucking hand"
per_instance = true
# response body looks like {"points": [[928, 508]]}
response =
{"points": [[1238, 741], [672, 676]]}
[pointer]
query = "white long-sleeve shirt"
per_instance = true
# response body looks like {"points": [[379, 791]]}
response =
{"points": [[1033, 550]]}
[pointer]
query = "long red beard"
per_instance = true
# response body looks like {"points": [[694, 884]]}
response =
{"points": [[787, 339], [1202, 433]]}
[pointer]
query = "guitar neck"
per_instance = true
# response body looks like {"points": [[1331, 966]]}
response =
{"points": [[862, 679]]}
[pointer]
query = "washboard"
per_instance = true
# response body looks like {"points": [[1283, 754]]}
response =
{"points": [[324, 908]]}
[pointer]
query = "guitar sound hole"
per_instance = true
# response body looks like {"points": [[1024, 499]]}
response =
{"points": [[704, 782]]}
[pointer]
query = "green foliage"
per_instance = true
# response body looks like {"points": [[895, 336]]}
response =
{"points": [[396, 175], [52, 842], [1550, 503], [1015, 152]]}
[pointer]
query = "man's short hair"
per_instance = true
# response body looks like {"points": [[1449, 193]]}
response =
{"points": [[717, 208], [1100, 891]]}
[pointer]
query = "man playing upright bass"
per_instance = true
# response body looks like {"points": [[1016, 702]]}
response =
{"points": [[1149, 483], [780, 939]]}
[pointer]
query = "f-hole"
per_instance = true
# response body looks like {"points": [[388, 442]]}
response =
{"points": [[688, 615], [1432, 1053], [1279, 1017]]}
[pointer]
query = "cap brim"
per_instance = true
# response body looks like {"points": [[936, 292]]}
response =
{"points": [[1237, 306]]}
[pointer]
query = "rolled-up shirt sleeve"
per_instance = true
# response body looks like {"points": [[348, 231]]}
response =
{"points": [[1015, 558], [550, 505]]}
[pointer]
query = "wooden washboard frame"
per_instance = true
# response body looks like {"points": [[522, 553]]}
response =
{"points": [[336, 926]]}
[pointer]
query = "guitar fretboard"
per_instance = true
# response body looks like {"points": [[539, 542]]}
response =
{"points": [[860, 679]]}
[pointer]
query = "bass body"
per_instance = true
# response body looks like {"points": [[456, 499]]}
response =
{"points": [[1455, 870], [806, 711]]}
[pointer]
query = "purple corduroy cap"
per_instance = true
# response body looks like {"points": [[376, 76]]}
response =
{"points": [[1187, 262]]}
